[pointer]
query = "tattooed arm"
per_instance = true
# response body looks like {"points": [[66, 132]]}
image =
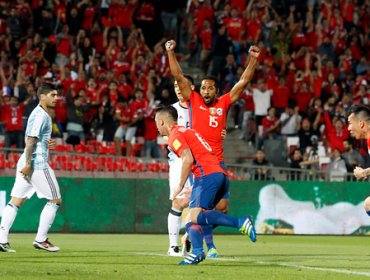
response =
{"points": [[30, 147]]}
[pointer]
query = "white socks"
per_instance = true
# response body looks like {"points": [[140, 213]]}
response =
{"points": [[46, 220], [174, 224], [8, 217]]}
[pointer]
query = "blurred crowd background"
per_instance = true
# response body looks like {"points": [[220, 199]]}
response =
{"points": [[108, 60]]}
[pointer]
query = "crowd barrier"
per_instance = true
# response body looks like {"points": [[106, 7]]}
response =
{"points": [[128, 205]]}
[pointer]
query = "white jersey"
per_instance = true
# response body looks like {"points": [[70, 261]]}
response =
{"points": [[175, 163], [39, 125], [182, 115]]}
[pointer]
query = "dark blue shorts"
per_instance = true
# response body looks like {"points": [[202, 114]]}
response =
{"points": [[209, 190]]}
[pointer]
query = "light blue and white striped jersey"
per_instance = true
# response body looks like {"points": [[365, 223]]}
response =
{"points": [[183, 120], [39, 125]]}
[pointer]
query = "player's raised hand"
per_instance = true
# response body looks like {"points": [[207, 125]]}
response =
{"points": [[254, 51], [170, 45]]}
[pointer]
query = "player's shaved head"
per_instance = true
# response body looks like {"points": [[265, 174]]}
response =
{"points": [[360, 112], [359, 121], [165, 118], [167, 113]]}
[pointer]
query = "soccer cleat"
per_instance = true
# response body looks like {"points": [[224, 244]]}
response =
{"points": [[5, 247], [186, 246], [193, 259], [174, 251], [248, 229], [46, 245], [212, 253]]}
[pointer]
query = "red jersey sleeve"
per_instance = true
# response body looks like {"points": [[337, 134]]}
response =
{"points": [[177, 142]]}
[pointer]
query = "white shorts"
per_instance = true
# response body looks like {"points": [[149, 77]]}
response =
{"points": [[175, 166], [120, 132], [43, 182]]}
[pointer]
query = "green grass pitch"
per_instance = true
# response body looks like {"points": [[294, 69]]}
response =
{"points": [[129, 256]]}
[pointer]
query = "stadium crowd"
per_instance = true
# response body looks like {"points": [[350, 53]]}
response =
{"points": [[108, 59]]}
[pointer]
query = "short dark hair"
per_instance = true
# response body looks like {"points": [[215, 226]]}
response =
{"points": [[360, 111], [169, 110], [45, 88], [189, 78], [212, 78]]}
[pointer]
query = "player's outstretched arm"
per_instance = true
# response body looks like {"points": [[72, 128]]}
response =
{"points": [[185, 87], [247, 75]]}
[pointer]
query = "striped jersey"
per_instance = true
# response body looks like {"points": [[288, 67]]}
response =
{"points": [[39, 125]]}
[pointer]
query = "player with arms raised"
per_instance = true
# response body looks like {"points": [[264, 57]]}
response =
{"points": [[207, 112]]}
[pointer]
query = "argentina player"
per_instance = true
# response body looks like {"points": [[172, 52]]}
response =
{"points": [[34, 173]]}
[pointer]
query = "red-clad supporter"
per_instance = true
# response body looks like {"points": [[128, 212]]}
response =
{"points": [[120, 65], [270, 127], [336, 20], [96, 36], [61, 110], [205, 37], [113, 42], [203, 11], [303, 96], [280, 96], [88, 14], [124, 87], [93, 92], [124, 115], [235, 25], [64, 42], [336, 131], [12, 114], [299, 38], [120, 13], [28, 65], [151, 149]]}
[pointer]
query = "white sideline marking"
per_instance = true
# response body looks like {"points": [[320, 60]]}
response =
{"points": [[343, 271]]}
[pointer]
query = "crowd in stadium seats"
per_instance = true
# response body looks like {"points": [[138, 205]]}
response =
{"points": [[108, 60]]}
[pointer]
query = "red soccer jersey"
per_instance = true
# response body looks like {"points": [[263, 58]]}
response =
{"points": [[13, 117], [205, 162], [210, 121], [368, 145]]}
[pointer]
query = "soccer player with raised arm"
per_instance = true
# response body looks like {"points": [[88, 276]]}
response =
{"points": [[34, 174], [207, 112], [210, 182], [359, 127], [181, 201]]}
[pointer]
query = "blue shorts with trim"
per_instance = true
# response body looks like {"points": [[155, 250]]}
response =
{"points": [[209, 190]]}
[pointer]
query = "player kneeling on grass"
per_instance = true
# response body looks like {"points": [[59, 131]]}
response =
{"points": [[34, 174], [209, 182]]}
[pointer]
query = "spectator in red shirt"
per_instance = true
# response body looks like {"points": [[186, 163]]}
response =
{"points": [[336, 131], [205, 37], [12, 113], [270, 127], [124, 115], [280, 96], [151, 148]]}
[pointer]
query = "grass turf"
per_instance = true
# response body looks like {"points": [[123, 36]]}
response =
{"points": [[128, 256]]}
